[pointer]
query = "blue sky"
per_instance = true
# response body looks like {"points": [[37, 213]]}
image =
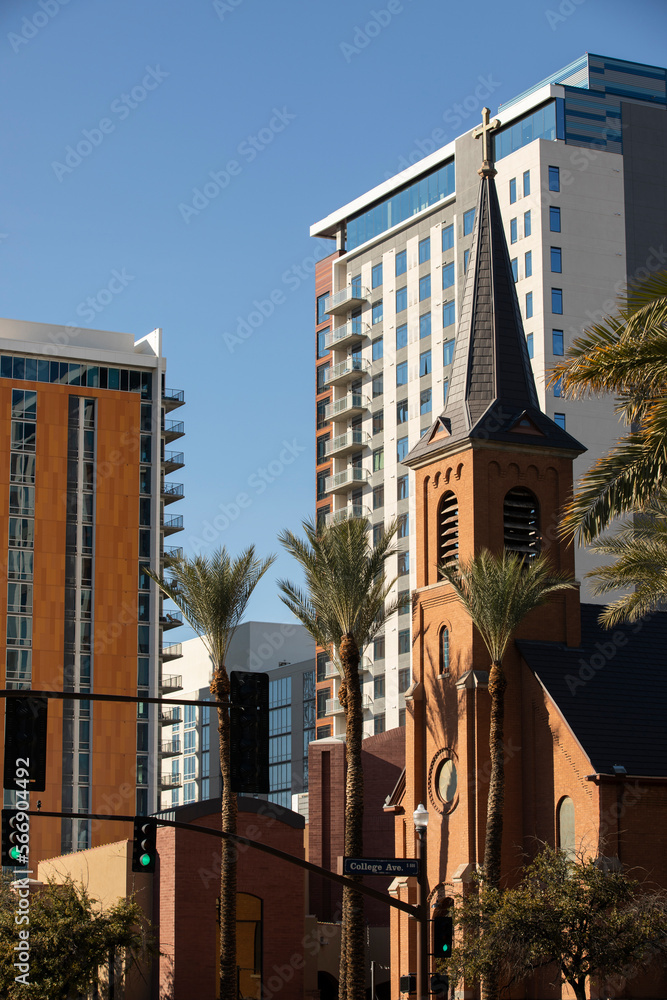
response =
{"points": [[295, 108]]}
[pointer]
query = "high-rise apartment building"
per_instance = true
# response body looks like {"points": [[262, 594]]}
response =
{"points": [[190, 745], [580, 158], [83, 477]]}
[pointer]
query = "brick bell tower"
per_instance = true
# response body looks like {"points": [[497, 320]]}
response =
{"points": [[492, 472]]}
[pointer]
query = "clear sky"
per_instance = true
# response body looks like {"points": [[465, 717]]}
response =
{"points": [[296, 109]]}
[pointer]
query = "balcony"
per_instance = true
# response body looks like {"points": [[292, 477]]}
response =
{"points": [[331, 671], [173, 429], [347, 298], [171, 552], [171, 492], [171, 682], [172, 652], [170, 780], [347, 406], [168, 716], [344, 336], [345, 480], [346, 371], [345, 513], [346, 443], [172, 524], [171, 619], [171, 747], [172, 398], [173, 460], [334, 707]]}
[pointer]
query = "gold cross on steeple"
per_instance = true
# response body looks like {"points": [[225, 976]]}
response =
{"points": [[487, 169]]}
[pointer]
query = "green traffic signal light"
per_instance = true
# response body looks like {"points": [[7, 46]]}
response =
{"points": [[145, 859], [15, 853]]}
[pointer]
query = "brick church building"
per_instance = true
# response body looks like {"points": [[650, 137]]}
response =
{"points": [[585, 736]]}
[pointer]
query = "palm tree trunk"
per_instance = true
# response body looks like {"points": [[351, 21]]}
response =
{"points": [[228, 973], [495, 802], [353, 906]]}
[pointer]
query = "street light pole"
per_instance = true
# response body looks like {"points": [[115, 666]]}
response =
{"points": [[420, 817]]}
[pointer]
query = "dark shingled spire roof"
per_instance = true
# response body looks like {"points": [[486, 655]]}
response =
{"points": [[492, 391]]}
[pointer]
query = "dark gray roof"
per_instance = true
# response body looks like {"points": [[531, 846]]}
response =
{"points": [[612, 691], [492, 391]]}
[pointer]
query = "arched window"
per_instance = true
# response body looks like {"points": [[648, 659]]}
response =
{"points": [[444, 651], [448, 530], [565, 826], [521, 521]]}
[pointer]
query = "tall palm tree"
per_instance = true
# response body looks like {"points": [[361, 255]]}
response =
{"points": [[213, 594], [344, 607], [498, 591], [624, 354]]}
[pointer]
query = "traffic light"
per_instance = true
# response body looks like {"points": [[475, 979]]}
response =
{"points": [[14, 839], [407, 984], [443, 936], [144, 850], [249, 731], [25, 744], [439, 984]]}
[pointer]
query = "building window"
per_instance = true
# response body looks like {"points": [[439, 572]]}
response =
{"points": [[376, 349], [322, 371], [378, 648], [404, 640], [447, 238], [444, 651], [401, 299], [403, 679], [322, 660], [425, 287], [378, 421], [403, 526], [512, 190], [556, 260], [448, 275], [321, 448], [355, 286], [321, 485], [466, 258], [558, 388], [404, 603], [402, 373], [378, 460], [403, 565], [401, 717], [378, 687], [401, 336], [447, 352], [376, 276], [554, 219], [425, 325], [448, 313], [377, 386], [554, 178], [529, 344], [401, 262], [424, 250], [526, 183], [322, 349], [321, 415], [529, 305], [513, 231], [378, 723], [402, 488], [402, 411], [521, 521], [322, 316], [448, 530], [378, 532], [401, 448], [378, 497], [557, 301], [322, 698], [468, 221], [425, 401], [527, 228], [424, 363], [559, 418], [514, 263], [528, 263], [445, 390], [376, 312], [557, 342]]}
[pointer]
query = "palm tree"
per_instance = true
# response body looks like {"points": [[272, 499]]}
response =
{"points": [[640, 548], [625, 354], [213, 594], [498, 592], [344, 607]]}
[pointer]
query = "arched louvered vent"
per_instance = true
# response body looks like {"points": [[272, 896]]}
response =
{"points": [[448, 529], [521, 520]]}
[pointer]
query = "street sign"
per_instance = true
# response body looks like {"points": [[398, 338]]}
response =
{"points": [[380, 866]]}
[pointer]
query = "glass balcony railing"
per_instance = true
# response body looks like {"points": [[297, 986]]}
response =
{"points": [[350, 297], [346, 371], [341, 481], [346, 406], [351, 333], [351, 441], [345, 513]]}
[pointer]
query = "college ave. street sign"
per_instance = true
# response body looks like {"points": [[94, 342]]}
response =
{"points": [[380, 866]]}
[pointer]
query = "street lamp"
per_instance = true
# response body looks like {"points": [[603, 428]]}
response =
{"points": [[420, 818]]}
